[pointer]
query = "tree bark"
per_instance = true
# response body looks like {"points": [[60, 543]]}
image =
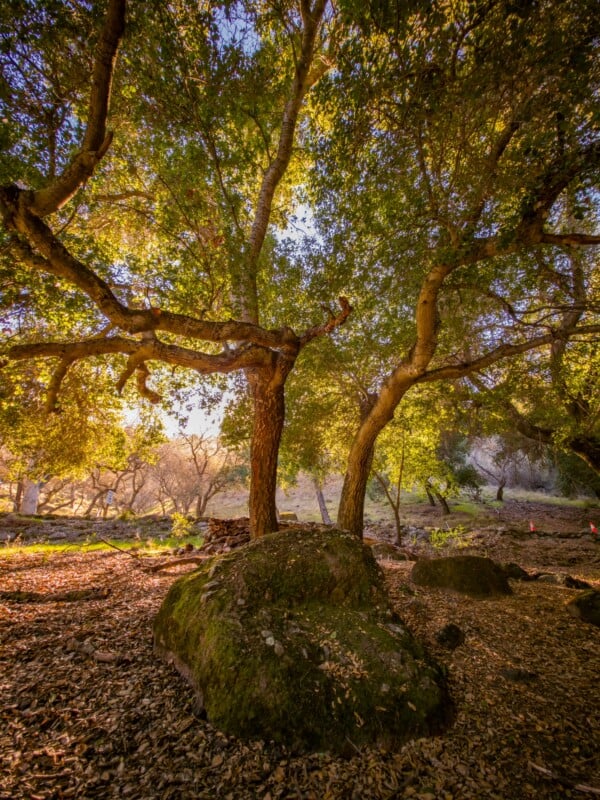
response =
{"points": [[269, 414], [351, 510]]}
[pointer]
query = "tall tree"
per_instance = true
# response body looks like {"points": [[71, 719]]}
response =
{"points": [[458, 131], [157, 232]]}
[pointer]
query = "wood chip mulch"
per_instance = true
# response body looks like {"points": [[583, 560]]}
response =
{"points": [[88, 711]]}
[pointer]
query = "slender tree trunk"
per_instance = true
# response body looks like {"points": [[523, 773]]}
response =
{"points": [[321, 501], [269, 414], [430, 496], [443, 503], [500, 491], [399, 491], [351, 511], [31, 497], [201, 503], [18, 496]]}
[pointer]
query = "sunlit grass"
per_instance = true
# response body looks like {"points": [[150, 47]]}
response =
{"points": [[551, 500], [144, 547]]}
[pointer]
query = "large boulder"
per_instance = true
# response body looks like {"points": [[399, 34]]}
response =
{"points": [[586, 607], [291, 638], [473, 575]]}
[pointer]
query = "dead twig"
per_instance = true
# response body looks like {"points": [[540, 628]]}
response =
{"points": [[120, 549], [177, 562]]}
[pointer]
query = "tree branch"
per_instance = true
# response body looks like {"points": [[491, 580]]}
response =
{"points": [[302, 80], [96, 140], [333, 322], [51, 256], [569, 239], [146, 350], [453, 371]]}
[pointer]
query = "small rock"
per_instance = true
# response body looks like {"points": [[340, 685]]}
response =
{"points": [[451, 636], [586, 607]]}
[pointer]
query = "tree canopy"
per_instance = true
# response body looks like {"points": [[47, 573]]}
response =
{"points": [[155, 160]]}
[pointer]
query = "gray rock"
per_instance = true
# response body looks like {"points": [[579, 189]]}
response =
{"points": [[315, 681]]}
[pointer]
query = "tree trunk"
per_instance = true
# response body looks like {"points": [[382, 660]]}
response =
{"points": [[430, 497], [376, 412], [443, 503], [321, 501], [398, 523], [269, 414], [500, 492], [201, 503], [31, 496], [18, 496]]}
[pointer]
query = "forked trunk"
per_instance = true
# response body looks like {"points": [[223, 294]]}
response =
{"points": [[269, 415]]}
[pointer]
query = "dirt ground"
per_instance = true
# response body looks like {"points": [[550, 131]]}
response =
{"points": [[89, 712]]}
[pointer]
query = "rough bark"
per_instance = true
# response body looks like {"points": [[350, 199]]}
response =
{"points": [[269, 413]]}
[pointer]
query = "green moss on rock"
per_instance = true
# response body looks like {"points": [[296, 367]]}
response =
{"points": [[473, 575], [290, 638]]}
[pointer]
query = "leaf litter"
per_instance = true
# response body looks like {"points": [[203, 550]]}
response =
{"points": [[88, 711]]}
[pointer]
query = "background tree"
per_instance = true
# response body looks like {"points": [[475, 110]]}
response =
{"points": [[191, 470]]}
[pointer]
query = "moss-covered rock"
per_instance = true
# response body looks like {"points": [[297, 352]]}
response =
{"points": [[586, 607], [473, 575], [291, 638]]}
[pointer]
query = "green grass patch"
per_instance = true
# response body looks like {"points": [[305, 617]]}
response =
{"points": [[467, 508], [146, 547], [447, 537], [553, 500]]}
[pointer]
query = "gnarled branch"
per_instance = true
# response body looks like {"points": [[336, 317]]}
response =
{"points": [[96, 140], [334, 321]]}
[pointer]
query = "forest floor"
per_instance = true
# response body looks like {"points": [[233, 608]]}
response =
{"points": [[88, 711]]}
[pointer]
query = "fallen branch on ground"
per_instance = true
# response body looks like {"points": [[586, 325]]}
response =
{"points": [[178, 562], [120, 549]]}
